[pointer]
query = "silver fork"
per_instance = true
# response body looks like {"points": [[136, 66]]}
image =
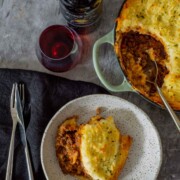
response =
{"points": [[17, 117], [22, 128], [15, 120]]}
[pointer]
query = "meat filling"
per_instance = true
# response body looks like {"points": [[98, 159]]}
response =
{"points": [[67, 149], [137, 63]]}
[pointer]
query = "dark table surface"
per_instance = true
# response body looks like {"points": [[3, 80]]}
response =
{"points": [[20, 24]]}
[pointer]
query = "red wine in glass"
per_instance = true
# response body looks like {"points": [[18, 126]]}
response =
{"points": [[59, 48]]}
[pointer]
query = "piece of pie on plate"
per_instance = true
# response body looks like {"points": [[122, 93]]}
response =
{"points": [[95, 150]]}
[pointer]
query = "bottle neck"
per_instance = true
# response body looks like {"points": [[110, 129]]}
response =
{"points": [[81, 18], [80, 6], [78, 3]]}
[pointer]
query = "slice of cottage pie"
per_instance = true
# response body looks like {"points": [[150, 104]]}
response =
{"points": [[95, 150]]}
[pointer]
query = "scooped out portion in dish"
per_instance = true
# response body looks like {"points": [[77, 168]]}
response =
{"points": [[148, 31], [95, 150], [138, 62]]}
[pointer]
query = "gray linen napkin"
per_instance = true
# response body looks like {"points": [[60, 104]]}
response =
{"points": [[45, 94]]}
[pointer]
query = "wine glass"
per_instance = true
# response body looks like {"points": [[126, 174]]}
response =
{"points": [[59, 48]]}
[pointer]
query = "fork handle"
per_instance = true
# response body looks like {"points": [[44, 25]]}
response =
{"points": [[11, 153], [28, 161], [168, 107], [26, 150]]}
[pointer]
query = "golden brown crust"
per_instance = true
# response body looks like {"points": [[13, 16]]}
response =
{"points": [[125, 144]]}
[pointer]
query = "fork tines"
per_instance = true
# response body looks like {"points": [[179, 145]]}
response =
{"points": [[13, 95], [22, 94]]}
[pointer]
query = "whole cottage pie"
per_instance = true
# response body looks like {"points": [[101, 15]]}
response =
{"points": [[147, 31]]}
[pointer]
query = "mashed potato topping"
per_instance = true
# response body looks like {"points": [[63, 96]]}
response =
{"points": [[98, 150]]}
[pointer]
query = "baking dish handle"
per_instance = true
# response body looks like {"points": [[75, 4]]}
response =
{"points": [[124, 86]]}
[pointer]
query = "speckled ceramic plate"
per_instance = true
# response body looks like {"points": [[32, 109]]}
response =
{"points": [[145, 156]]}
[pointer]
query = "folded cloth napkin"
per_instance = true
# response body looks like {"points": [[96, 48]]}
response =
{"points": [[45, 94]]}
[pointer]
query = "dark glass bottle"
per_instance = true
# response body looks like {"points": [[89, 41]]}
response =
{"points": [[82, 15]]}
